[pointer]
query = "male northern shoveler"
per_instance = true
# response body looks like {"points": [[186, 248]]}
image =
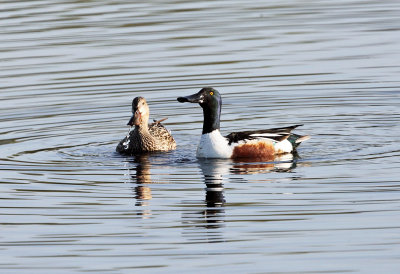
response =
{"points": [[145, 137], [261, 144]]}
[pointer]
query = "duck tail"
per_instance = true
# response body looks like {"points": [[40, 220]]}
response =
{"points": [[296, 140], [155, 122]]}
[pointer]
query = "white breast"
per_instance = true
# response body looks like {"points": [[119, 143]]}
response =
{"points": [[213, 145]]}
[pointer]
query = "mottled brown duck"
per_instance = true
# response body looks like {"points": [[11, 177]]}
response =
{"points": [[144, 137]]}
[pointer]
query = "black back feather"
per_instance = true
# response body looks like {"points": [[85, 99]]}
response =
{"points": [[282, 133]]}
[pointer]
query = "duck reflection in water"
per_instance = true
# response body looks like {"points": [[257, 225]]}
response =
{"points": [[215, 174], [211, 215], [213, 171], [142, 178], [279, 163]]}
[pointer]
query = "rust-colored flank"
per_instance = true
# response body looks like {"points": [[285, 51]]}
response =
{"points": [[254, 149]]}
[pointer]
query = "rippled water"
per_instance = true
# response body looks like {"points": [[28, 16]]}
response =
{"points": [[69, 70]]}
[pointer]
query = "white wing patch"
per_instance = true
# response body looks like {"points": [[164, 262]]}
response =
{"points": [[265, 135]]}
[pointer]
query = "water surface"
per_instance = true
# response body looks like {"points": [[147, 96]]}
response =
{"points": [[69, 71]]}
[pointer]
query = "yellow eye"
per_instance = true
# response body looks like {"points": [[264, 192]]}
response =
{"points": [[211, 93]]}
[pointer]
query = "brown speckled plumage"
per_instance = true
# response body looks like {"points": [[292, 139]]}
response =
{"points": [[145, 137]]}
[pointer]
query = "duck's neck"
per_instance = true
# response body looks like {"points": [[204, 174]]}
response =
{"points": [[142, 128], [211, 118]]}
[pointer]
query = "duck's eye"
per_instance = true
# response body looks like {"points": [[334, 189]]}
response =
{"points": [[211, 93]]}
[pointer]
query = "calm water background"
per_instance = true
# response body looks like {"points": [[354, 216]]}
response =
{"points": [[69, 70]]}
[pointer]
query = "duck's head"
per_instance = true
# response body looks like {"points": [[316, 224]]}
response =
{"points": [[210, 100], [140, 111], [206, 97]]}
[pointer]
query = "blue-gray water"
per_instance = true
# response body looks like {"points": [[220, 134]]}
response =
{"points": [[68, 73]]}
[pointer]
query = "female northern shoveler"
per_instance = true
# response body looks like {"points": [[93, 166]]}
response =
{"points": [[145, 137], [246, 144]]}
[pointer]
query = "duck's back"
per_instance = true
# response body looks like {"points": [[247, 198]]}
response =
{"points": [[163, 136]]}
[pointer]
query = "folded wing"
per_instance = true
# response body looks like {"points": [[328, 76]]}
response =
{"points": [[275, 134]]}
